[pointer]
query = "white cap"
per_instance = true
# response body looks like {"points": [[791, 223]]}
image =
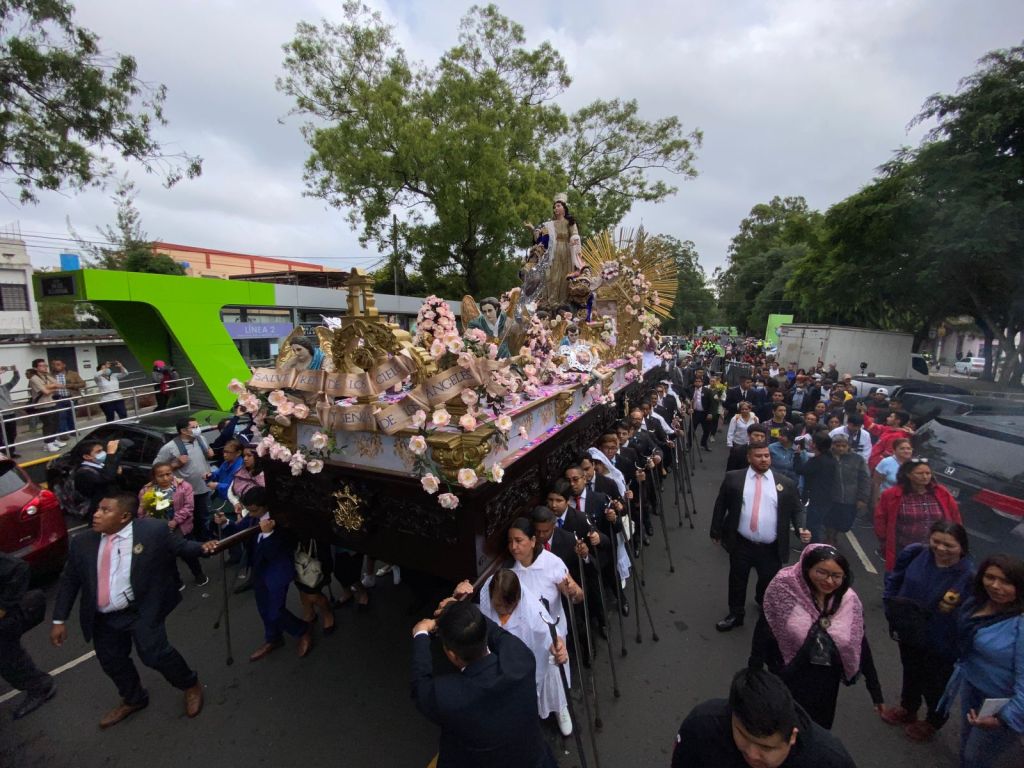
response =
{"points": [[882, 391]]}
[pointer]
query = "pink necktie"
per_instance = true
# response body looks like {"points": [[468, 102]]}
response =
{"points": [[103, 586], [756, 506]]}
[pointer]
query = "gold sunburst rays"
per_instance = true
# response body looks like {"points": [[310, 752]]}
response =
{"points": [[642, 253]]}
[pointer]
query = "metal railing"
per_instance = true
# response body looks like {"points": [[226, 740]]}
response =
{"points": [[131, 397]]}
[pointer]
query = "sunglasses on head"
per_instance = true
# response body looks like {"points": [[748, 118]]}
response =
{"points": [[917, 460]]}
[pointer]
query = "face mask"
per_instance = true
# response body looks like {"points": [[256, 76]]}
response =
{"points": [[196, 431], [100, 457]]}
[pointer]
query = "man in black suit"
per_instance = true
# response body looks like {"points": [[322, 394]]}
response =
{"points": [[736, 395], [20, 610], [803, 396], [488, 711], [759, 725], [125, 569], [753, 514]]}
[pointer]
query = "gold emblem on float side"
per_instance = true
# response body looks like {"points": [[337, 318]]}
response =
{"points": [[347, 505], [453, 451]]}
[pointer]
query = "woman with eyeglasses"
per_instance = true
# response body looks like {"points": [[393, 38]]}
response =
{"points": [[811, 633], [991, 667], [906, 511], [923, 596]]}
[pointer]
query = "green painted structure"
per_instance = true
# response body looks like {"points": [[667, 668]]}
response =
{"points": [[771, 331], [152, 311]]}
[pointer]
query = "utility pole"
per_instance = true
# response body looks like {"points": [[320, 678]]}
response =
{"points": [[394, 247]]}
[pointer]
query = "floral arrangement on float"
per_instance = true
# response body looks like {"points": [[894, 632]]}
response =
{"points": [[437, 384]]}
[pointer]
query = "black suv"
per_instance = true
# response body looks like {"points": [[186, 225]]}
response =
{"points": [[980, 458], [143, 440]]}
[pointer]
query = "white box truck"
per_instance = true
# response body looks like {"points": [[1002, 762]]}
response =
{"points": [[886, 353]]}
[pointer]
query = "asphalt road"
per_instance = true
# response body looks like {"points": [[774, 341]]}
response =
{"points": [[348, 702]]}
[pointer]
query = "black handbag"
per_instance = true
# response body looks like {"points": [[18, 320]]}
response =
{"points": [[908, 620]]}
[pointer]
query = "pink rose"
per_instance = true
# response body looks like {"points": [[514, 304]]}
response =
{"points": [[440, 418], [236, 387], [314, 466], [430, 483], [277, 397], [419, 419], [448, 500], [468, 422], [467, 477], [418, 444], [469, 397], [300, 411]]}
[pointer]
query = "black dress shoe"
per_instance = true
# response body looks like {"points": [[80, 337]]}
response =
{"points": [[729, 622], [34, 701]]}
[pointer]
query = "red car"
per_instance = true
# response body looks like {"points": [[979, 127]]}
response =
{"points": [[31, 522]]}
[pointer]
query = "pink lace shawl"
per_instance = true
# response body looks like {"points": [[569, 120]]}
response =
{"points": [[791, 612]]}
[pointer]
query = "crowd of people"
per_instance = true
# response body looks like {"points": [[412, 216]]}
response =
{"points": [[806, 459]]}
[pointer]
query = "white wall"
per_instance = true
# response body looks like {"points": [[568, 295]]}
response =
{"points": [[16, 268]]}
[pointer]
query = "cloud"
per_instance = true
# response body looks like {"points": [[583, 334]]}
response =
{"points": [[797, 97]]}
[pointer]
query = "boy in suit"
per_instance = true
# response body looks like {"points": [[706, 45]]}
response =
{"points": [[487, 712]]}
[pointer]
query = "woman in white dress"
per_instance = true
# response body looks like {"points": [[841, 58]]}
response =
{"points": [[506, 602]]}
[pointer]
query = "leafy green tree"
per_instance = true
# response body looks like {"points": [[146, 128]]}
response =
{"points": [[129, 249], [758, 261], [465, 150], [65, 103], [695, 302]]}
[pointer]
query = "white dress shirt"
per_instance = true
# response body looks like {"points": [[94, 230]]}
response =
{"points": [[767, 511], [261, 536], [121, 594]]}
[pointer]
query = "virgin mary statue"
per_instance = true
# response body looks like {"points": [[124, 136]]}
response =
{"points": [[562, 239]]}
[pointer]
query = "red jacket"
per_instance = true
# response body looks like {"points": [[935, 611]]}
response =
{"points": [[889, 509], [885, 436]]}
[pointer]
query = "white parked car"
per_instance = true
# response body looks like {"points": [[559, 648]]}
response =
{"points": [[970, 366]]}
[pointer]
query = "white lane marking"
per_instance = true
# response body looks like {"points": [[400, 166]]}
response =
{"points": [[62, 668], [982, 536], [78, 527], [868, 566]]}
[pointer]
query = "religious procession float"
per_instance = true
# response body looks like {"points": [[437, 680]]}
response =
{"points": [[420, 448]]}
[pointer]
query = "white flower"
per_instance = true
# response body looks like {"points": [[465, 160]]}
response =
{"points": [[236, 387], [440, 418], [467, 477], [437, 349], [448, 500], [455, 346], [504, 422], [319, 441], [287, 408], [277, 397], [418, 444], [468, 422], [497, 473], [300, 411], [315, 466], [284, 454], [419, 418], [469, 397], [430, 483]]}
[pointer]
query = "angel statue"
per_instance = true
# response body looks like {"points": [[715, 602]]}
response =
{"points": [[298, 353], [494, 323], [561, 241]]}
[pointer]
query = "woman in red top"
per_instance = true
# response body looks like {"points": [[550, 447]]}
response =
{"points": [[906, 511]]}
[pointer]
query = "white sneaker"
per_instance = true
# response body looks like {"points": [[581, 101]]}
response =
{"points": [[52, 447], [711, 438], [61, 441], [368, 580], [564, 721]]}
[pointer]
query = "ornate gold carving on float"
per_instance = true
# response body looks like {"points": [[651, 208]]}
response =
{"points": [[454, 451], [347, 506], [563, 402]]}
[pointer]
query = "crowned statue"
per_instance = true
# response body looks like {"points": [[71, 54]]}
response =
{"points": [[563, 251]]}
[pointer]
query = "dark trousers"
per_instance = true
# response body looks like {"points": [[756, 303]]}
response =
{"points": [[746, 554], [925, 675], [114, 409], [18, 669], [271, 600], [113, 636], [10, 434], [161, 400], [50, 421], [65, 419], [201, 516], [704, 418]]}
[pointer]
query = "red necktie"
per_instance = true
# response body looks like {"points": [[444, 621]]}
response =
{"points": [[756, 506], [103, 585], [579, 503], [547, 545]]}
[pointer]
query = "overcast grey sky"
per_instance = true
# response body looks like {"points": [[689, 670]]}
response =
{"points": [[795, 97]]}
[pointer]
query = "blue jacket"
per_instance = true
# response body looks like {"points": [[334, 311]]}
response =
{"points": [[936, 594], [783, 460], [991, 663], [224, 475]]}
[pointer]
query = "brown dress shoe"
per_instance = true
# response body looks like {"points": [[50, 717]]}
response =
{"points": [[920, 731], [120, 712], [194, 699], [265, 649], [305, 643], [898, 716]]}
